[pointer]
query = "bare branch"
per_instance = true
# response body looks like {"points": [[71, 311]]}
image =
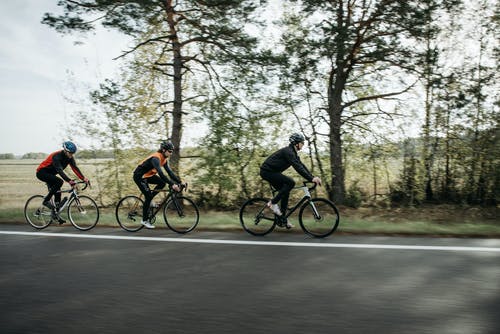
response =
{"points": [[375, 97]]}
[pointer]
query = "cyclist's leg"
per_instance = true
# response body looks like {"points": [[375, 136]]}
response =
{"points": [[283, 184], [144, 188], [160, 184], [54, 184], [285, 190]]}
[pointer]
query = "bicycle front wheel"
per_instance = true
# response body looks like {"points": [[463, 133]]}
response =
{"points": [[129, 213], [256, 218], [83, 212], [319, 217], [36, 214], [181, 214]]}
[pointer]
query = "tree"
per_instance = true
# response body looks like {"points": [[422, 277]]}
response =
{"points": [[196, 35], [357, 48], [431, 76], [481, 86]]}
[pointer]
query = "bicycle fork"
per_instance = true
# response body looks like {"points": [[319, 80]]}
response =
{"points": [[307, 194], [178, 207], [316, 214], [81, 209]]}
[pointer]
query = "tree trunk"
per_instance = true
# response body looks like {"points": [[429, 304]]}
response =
{"points": [[177, 109], [335, 87]]}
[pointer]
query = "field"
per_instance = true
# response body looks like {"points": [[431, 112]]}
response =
{"points": [[18, 182]]}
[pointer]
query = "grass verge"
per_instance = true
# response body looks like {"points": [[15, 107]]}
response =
{"points": [[351, 224]]}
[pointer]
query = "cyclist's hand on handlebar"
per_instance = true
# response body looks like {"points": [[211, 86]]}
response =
{"points": [[176, 187], [72, 183], [317, 180], [87, 181]]}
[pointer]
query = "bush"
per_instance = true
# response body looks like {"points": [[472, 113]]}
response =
{"points": [[5, 156], [355, 196]]}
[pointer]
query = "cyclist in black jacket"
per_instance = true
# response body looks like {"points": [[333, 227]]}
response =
{"points": [[273, 167]]}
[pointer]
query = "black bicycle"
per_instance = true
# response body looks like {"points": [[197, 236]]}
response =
{"points": [[180, 213], [82, 210], [318, 217]]}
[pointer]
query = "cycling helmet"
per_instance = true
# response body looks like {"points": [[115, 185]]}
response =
{"points": [[69, 146], [296, 138], [166, 145]]}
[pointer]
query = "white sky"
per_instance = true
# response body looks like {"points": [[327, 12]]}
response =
{"points": [[34, 65]]}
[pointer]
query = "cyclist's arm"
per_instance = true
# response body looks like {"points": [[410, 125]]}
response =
{"points": [[171, 173], [56, 162], [75, 169], [300, 167], [156, 164]]}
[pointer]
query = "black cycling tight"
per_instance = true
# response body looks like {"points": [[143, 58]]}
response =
{"points": [[54, 184], [143, 184]]}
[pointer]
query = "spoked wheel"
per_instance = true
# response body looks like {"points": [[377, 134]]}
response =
{"points": [[319, 217], [181, 214], [256, 218], [83, 212], [129, 213], [36, 214]]}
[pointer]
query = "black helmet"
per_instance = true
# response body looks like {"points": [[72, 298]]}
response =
{"points": [[69, 146], [166, 145], [296, 138]]}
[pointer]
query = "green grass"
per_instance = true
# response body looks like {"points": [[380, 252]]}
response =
{"points": [[420, 228], [224, 221]]}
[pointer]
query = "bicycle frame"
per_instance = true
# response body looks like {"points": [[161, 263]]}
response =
{"points": [[171, 194], [306, 198], [73, 194]]}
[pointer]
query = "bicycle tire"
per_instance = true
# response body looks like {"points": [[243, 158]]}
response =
{"points": [[256, 218], [128, 213], [36, 214], [182, 219], [83, 212], [325, 224]]}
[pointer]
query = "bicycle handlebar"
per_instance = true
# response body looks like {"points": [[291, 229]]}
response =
{"points": [[310, 188], [183, 186], [87, 184]]}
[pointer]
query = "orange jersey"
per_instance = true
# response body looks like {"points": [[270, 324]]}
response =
{"points": [[153, 171], [147, 168]]}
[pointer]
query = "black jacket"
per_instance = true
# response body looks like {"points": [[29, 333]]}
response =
{"points": [[282, 159]]}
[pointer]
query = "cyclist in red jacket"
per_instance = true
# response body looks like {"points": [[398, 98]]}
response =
{"points": [[55, 164], [150, 171]]}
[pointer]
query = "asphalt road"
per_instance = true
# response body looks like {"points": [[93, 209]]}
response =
{"points": [[149, 284]]}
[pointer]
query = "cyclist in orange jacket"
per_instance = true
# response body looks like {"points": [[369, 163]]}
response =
{"points": [[55, 164], [150, 171]]}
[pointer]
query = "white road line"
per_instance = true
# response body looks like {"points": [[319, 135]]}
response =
{"points": [[258, 243]]}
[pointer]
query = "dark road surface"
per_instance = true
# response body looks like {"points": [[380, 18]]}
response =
{"points": [[84, 285]]}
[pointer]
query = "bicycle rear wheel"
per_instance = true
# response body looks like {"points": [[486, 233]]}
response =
{"points": [[129, 213], [181, 214], [83, 212], [36, 214], [256, 218], [319, 217]]}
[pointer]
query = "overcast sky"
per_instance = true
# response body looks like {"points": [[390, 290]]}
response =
{"points": [[34, 66]]}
